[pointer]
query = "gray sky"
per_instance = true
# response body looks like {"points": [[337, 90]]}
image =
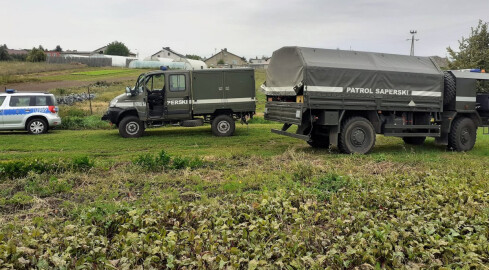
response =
{"points": [[247, 28]]}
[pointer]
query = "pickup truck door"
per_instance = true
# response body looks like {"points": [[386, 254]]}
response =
{"points": [[177, 96]]}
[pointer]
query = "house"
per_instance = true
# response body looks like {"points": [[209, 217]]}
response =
{"points": [[17, 52], [76, 53], [225, 58], [103, 49], [52, 53], [167, 52], [260, 62]]}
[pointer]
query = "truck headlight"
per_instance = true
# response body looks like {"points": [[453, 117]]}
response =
{"points": [[113, 103]]}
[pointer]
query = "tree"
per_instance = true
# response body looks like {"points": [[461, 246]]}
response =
{"points": [[117, 48], [4, 55], [36, 55], [58, 49], [473, 51], [193, 56]]}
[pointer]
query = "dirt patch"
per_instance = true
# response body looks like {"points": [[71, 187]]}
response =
{"points": [[46, 86]]}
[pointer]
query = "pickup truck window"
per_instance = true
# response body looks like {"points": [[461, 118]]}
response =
{"points": [[177, 83]]}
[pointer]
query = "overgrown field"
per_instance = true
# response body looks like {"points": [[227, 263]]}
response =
{"points": [[21, 72], [181, 198]]}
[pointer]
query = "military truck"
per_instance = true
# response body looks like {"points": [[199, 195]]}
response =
{"points": [[186, 98], [345, 98]]}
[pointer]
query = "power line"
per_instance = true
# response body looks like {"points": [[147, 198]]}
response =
{"points": [[413, 32]]}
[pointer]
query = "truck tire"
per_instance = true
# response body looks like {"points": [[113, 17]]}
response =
{"points": [[223, 126], [450, 87], [463, 134], [192, 123], [131, 127], [357, 136], [37, 126], [414, 140]]}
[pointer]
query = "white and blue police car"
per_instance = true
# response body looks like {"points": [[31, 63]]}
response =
{"points": [[34, 112]]}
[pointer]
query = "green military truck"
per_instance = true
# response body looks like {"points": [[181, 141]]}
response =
{"points": [[187, 98], [345, 98]]}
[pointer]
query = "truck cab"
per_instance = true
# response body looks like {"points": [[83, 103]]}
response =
{"points": [[187, 98]]}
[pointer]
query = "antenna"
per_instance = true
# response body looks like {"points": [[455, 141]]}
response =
{"points": [[412, 32]]}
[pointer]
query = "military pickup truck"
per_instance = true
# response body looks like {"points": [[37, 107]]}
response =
{"points": [[345, 98], [187, 98]]}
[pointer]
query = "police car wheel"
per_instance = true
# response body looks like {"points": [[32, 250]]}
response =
{"points": [[223, 125], [131, 127], [463, 134], [37, 126], [357, 136]]}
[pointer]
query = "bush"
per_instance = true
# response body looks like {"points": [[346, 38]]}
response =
{"points": [[21, 168], [88, 122], [36, 55], [164, 161]]}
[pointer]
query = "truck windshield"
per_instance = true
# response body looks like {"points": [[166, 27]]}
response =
{"points": [[140, 83]]}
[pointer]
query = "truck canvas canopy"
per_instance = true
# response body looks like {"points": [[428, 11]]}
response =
{"points": [[336, 71]]}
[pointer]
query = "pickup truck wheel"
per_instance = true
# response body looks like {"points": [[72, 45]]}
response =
{"points": [[414, 140], [463, 134], [223, 125], [357, 136], [131, 127], [37, 126]]}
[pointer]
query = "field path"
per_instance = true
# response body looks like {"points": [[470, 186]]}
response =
{"points": [[46, 86]]}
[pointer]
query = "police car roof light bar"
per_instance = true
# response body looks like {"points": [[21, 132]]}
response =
{"points": [[10, 91]]}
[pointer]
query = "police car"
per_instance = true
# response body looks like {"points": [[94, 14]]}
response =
{"points": [[34, 112]]}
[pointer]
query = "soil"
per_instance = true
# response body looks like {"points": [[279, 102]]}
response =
{"points": [[46, 86]]}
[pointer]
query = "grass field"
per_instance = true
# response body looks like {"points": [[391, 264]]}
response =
{"points": [[252, 200], [180, 198], [20, 72]]}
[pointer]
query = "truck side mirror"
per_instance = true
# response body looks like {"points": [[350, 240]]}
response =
{"points": [[129, 91]]}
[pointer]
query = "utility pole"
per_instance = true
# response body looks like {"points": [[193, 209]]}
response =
{"points": [[413, 32]]}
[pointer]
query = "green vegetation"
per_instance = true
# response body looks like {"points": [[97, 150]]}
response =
{"points": [[253, 200], [36, 55], [117, 48], [102, 72]]}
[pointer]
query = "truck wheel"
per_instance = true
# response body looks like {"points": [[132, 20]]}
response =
{"points": [[414, 140], [37, 126], [131, 127], [450, 87], [357, 136], [463, 134], [223, 125]]}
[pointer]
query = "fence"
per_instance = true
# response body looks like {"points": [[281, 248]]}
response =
{"points": [[89, 61]]}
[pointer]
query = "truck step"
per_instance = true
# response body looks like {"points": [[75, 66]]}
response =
{"points": [[423, 130], [293, 135]]}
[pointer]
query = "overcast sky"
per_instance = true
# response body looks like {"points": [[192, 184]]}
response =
{"points": [[247, 28]]}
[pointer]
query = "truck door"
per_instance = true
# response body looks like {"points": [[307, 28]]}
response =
{"points": [[178, 97], [237, 84]]}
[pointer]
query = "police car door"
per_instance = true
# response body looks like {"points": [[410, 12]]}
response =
{"points": [[2, 108], [178, 96]]}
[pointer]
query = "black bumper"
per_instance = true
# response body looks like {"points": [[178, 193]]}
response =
{"points": [[112, 115]]}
